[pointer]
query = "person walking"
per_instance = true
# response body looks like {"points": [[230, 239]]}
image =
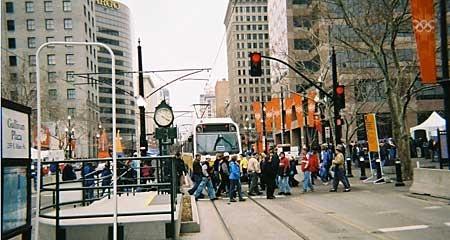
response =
{"points": [[235, 180], [292, 172], [206, 182], [306, 169], [224, 175], [285, 189], [263, 159], [244, 166], [88, 176], [216, 174], [196, 173], [106, 176], [68, 173], [313, 160], [269, 173], [324, 171], [253, 171], [339, 170]]}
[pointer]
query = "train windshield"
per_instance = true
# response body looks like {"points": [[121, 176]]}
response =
{"points": [[211, 143]]}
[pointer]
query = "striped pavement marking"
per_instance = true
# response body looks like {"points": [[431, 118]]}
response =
{"points": [[405, 228], [432, 207]]}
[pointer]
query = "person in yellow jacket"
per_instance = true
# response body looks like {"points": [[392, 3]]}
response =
{"points": [[244, 166], [339, 170]]}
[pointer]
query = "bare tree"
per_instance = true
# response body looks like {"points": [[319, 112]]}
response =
{"points": [[379, 35]]}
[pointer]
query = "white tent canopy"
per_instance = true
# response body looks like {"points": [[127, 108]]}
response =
{"points": [[431, 125]]}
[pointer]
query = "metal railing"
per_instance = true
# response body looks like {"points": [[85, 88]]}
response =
{"points": [[95, 187]]}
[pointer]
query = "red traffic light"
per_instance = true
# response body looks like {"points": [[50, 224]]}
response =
{"points": [[255, 58], [340, 90]]}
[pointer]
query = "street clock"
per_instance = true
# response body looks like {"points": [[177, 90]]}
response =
{"points": [[163, 115]]}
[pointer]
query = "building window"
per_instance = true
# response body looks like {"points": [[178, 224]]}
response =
{"points": [[70, 93], [67, 6], [70, 59], [13, 77], [32, 77], [50, 39], [12, 61], [9, 7], [69, 76], [49, 24], [10, 25], [32, 60], [71, 112], [299, 2], [31, 42], [303, 44], [51, 77], [68, 23], [48, 6], [51, 59], [29, 7], [31, 25], [53, 94], [68, 39], [11, 43]]}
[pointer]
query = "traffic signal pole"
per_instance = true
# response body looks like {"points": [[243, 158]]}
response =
{"points": [[337, 116]]}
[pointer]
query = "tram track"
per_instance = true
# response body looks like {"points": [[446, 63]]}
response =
{"points": [[267, 211]]}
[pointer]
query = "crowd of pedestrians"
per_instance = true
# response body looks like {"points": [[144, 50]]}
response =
{"points": [[224, 175]]}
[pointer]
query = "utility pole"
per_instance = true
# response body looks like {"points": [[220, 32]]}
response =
{"points": [[282, 116], [143, 138], [445, 81], [337, 116]]}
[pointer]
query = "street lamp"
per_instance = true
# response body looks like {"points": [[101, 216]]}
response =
{"points": [[69, 135]]}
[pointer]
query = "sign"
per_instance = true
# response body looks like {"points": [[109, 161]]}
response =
{"points": [[443, 144], [311, 108], [15, 138], [327, 132], [424, 25], [372, 133], [108, 4], [14, 201]]}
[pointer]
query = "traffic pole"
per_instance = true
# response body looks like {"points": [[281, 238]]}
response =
{"points": [[398, 173], [349, 167], [363, 169]]}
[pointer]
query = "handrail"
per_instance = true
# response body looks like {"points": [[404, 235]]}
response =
{"points": [[164, 181]]}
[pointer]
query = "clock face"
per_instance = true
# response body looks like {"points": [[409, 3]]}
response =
{"points": [[163, 117]]}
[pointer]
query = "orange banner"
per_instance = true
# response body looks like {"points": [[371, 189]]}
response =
{"points": [[277, 112], [288, 108], [269, 116], [317, 123], [424, 25], [311, 107], [103, 145], [298, 103], [258, 116]]}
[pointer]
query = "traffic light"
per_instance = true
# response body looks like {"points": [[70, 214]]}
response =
{"points": [[339, 96], [255, 64]]}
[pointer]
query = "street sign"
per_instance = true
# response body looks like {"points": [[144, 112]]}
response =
{"points": [[327, 132]]}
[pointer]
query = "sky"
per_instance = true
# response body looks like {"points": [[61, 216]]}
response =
{"points": [[178, 34]]}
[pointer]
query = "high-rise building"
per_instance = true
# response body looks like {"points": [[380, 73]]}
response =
{"points": [[26, 26], [222, 93], [294, 37], [113, 29], [209, 100], [247, 31]]}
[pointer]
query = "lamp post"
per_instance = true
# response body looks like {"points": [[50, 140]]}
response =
{"points": [[69, 135], [97, 137]]}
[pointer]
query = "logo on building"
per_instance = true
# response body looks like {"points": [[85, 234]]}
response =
{"points": [[108, 3]]}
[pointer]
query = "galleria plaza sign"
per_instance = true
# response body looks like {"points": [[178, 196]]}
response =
{"points": [[108, 3]]}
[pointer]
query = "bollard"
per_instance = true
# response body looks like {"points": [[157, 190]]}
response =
{"points": [[349, 168], [398, 173], [363, 169], [379, 175]]}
